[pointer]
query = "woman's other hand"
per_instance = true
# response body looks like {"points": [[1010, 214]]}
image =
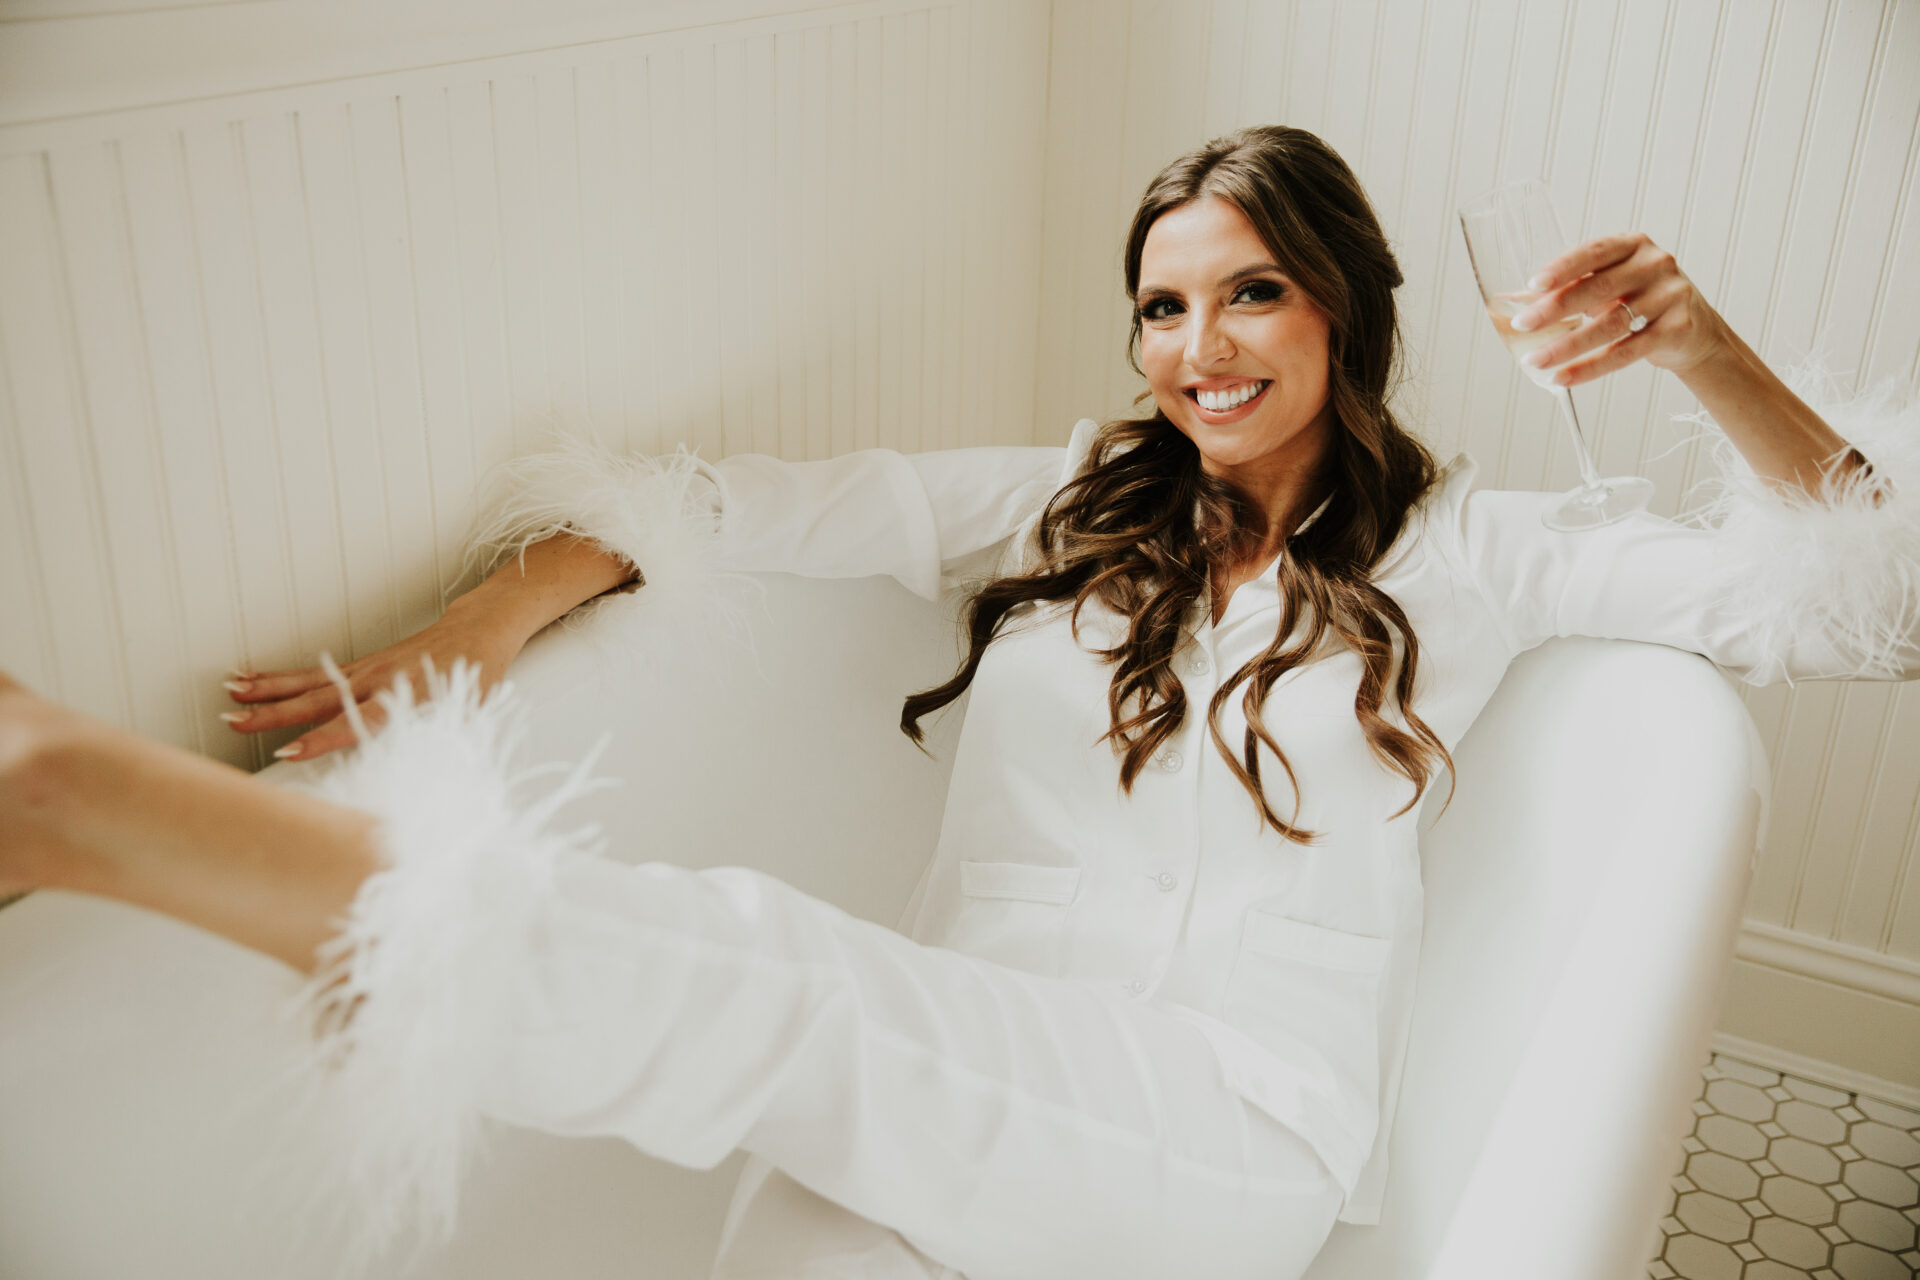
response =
{"points": [[1594, 279], [277, 699]]}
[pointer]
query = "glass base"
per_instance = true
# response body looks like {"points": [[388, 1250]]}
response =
{"points": [[1615, 498]]}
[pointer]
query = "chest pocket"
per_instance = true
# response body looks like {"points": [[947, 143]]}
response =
{"points": [[1307, 990], [1015, 913]]}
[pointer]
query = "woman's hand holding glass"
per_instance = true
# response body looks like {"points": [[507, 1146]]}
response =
{"points": [[1608, 282]]}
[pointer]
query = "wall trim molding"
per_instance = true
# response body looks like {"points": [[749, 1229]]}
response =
{"points": [[1844, 965], [1839, 1014], [1817, 1070]]}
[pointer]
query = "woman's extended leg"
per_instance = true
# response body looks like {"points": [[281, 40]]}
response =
{"points": [[1008, 1125], [91, 808]]}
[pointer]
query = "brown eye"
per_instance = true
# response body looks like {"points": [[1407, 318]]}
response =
{"points": [[1258, 291], [1159, 309]]}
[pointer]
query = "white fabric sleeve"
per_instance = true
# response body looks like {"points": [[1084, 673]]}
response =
{"points": [[1769, 587], [680, 519]]}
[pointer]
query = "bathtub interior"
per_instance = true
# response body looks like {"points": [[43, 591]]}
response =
{"points": [[1583, 890]]}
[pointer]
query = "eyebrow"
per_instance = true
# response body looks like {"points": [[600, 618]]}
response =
{"points": [[1244, 273]]}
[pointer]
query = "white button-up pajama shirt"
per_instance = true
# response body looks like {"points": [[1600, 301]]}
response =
{"points": [[1117, 1034]]}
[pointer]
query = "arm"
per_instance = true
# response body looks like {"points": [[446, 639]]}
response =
{"points": [[576, 523], [1770, 583], [1787, 445], [680, 520], [1805, 559]]}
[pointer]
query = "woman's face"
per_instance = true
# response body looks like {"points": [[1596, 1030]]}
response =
{"points": [[1234, 352]]}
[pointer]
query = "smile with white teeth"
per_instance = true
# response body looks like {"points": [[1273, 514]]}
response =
{"points": [[1221, 401]]}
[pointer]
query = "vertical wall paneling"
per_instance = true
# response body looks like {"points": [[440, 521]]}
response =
{"points": [[259, 349]]}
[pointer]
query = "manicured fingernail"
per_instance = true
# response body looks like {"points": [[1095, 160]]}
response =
{"points": [[239, 686], [1540, 281], [287, 752], [241, 673], [1523, 321], [1535, 358], [233, 717]]}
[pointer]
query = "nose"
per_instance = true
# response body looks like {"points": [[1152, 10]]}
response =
{"points": [[1207, 340]]}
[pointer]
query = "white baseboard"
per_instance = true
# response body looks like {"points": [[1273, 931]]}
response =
{"points": [[1824, 1011], [1816, 1070]]}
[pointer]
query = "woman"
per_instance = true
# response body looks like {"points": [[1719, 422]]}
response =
{"points": [[1152, 1011]]}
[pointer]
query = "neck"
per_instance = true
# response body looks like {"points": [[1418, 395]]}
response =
{"points": [[1284, 487]]}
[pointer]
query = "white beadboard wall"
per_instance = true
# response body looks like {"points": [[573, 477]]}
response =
{"points": [[257, 345], [1770, 146], [279, 279]]}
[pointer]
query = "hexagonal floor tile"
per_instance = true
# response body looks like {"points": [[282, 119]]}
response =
{"points": [[1814, 1123], [1793, 1243], [1714, 1217], [1882, 1184], [1808, 1161], [1732, 1137], [1877, 1225], [1820, 1093], [1887, 1113], [1884, 1143], [1801, 1201], [1734, 1179], [1743, 1101], [1746, 1071], [1856, 1261], [1698, 1258]]}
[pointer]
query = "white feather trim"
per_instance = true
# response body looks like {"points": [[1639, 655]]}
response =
{"points": [[426, 978], [1832, 576], [661, 515]]}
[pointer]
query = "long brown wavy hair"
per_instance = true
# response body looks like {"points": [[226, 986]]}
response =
{"points": [[1142, 525]]}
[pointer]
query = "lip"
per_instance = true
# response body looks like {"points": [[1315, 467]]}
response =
{"points": [[1232, 415]]}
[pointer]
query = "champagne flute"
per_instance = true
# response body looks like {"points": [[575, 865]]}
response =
{"points": [[1511, 233]]}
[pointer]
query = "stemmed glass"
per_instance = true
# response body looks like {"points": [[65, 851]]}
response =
{"points": [[1511, 233]]}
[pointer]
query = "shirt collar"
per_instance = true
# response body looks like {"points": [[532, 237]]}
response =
{"points": [[1263, 592]]}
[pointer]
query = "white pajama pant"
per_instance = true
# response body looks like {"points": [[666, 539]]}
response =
{"points": [[911, 1111]]}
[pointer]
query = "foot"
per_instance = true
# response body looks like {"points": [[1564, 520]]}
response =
{"points": [[34, 854], [91, 808], [18, 735]]}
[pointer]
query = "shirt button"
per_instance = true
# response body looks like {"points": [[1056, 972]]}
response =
{"points": [[1171, 760], [1166, 880], [1198, 664], [1137, 986]]}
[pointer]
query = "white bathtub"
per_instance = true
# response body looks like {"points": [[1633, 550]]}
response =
{"points": [[1583, 893]]}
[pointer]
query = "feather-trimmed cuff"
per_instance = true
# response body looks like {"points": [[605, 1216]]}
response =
{"points": [[661, 515], [426, 978], [1828, 582]]}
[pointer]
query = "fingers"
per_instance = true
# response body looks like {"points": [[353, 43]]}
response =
{"points": [[1613, 274], [271, 686], [331, 736], [1617, 355], [1611, 333], [1584, 259], [300, 708]]}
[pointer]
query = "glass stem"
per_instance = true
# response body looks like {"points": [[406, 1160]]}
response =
{"points": [[1589, 476]]}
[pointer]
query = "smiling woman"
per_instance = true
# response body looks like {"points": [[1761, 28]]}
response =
{"points": [[1152, 1010]]}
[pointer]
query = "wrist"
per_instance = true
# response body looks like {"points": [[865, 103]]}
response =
{"points": [[1719, 353], [553, 576], [502, 605]]}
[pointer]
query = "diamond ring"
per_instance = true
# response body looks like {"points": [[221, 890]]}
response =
{"points": [[1635, 323]]}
